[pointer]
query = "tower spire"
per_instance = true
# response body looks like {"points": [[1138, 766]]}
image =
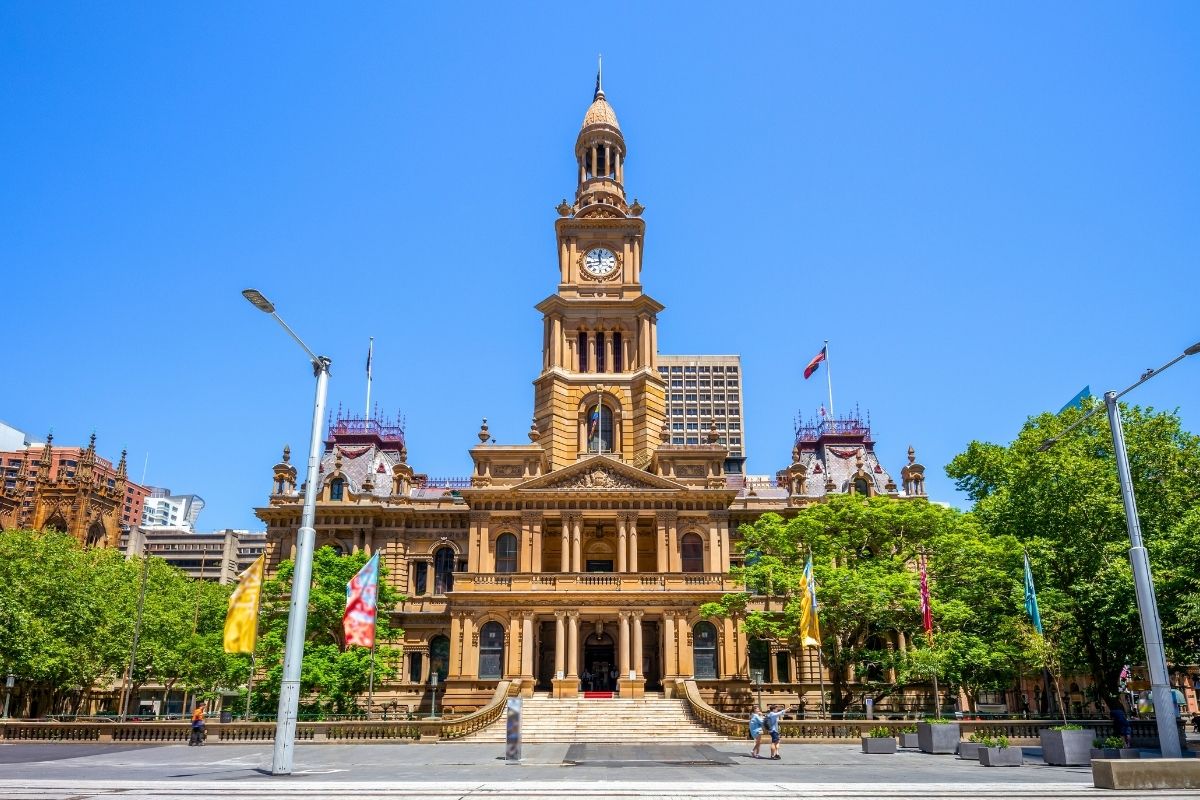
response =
{"points": [[599, 73]]}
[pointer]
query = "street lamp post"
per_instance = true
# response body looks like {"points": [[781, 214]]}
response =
{"points": [[293, 653], [1152, 638], [9, 682]]}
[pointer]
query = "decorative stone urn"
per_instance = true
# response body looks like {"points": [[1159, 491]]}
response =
{"points": [[939, 737]]}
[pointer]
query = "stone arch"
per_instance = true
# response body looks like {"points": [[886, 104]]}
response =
{"points": [[97, 536]]}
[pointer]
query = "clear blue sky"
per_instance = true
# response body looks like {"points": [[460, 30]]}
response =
{"points": [[983, 206]]}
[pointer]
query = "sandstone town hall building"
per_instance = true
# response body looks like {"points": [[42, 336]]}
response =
{"points": [[579, 560]]}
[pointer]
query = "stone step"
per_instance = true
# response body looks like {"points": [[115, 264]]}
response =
{"points": [[547, 720]]}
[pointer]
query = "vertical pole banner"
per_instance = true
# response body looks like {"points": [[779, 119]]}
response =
{"points": [[512, 738]]}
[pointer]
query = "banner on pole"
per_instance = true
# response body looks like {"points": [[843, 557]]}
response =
{"points": [[241, 621], [358, 621]]}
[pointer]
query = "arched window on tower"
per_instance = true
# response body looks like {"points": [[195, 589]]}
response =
{"points": [[704, 650], [506, 553], [600, 365], [693, 552], [861, 486], [336, 488], [599, 429], [491, 650], [443, 570], [618, 365], [583, 351]]}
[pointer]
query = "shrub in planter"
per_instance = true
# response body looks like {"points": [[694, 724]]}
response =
{"points": [[1066, 746], [1113, 747], [938, 736], [878, 741], [995, 752], [908, 736], [969, 750]]}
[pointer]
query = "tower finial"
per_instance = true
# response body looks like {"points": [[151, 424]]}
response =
{"points": [[599, 72]]}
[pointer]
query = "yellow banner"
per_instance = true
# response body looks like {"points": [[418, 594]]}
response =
{"points": [[241, 623]]}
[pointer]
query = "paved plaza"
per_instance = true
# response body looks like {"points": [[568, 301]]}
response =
{"points": [[460, 770]]}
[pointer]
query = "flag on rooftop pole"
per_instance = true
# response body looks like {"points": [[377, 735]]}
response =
{"points": [[241, 621], [358, 621], [1077, 401], [815, 362], [1031, 604], [810, 628], [926, 610]]}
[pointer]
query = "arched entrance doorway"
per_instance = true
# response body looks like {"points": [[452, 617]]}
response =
{"points": [[599, 661]]}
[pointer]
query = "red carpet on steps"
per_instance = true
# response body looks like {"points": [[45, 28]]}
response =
{"points": [[597, 695]]}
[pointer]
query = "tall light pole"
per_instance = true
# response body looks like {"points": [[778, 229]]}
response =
{"points": [[293, 653], [1156, 661]]}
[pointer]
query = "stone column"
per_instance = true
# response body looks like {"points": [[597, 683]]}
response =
{"points": [[532, 522], [595, 163], [721, 518], [608, 351], [573, 645], [556, 343], [456, 645], [637, 643], [568, 524], [512, 653], [577, 544], [591, 351], [674, 560], [470, 665], [631, 533], [477, 520], [670, 651], [623, 644], [621, 543], [527, 645], [607, 160], [560, 644], [644, 343], [660, 543], [712, 562]]}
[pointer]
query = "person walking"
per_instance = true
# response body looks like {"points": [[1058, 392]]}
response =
{"points": [[197, 737], [772, 724], [1121, 726], [756, 731]]}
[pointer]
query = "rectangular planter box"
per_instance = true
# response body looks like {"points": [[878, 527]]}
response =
{"points": [[909, 740], [1116, 752], [1000, 756], [940, 738], [1067, 748], [968, 751], [878, 746]]}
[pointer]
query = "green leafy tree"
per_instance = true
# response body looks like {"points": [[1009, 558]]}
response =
{"points": [[863, 553], [1064, 506], [333, 676]]}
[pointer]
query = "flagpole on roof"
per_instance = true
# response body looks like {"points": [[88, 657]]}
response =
{"points": [[829, 380], [370, 352]]}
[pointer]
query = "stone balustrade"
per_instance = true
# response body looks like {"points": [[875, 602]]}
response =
{"points": [[594, 581]]}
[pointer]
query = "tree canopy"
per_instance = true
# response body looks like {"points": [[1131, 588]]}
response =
{"points": [[333, 678], [1064, 506]]}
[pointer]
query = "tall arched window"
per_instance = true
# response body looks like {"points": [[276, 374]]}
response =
{"points": [[861, 486], [336, 487], [583, 351], [443, 570], [693, 552], [618, 356], [704, 650], [599, 429], [439, 657], [491, 650], [506, 553]]}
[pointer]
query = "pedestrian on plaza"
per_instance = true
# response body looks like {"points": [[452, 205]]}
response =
{"points": [[197, 737], [756, 731], [587, 680], [773, 717], [613, 675], [1121, 726]]}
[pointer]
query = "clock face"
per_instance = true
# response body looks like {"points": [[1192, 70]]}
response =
{"points": [[600, 262]]}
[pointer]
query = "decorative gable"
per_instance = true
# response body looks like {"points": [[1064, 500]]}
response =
{"points": [[600, 472]]}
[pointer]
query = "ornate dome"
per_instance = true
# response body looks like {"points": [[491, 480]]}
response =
{"points": [[600, 113]]}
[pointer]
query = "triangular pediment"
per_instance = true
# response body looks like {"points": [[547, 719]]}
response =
{"points": [[600, 473]]}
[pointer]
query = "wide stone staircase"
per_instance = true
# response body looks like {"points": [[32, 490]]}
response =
{"points": [[545, 720]]}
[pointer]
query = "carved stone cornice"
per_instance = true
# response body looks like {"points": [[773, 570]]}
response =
{"points": [[667, 517], [479, 517], [531, 517], [719, 516]]}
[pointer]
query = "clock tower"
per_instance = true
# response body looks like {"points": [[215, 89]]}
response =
{"points": [[599, 390]]}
